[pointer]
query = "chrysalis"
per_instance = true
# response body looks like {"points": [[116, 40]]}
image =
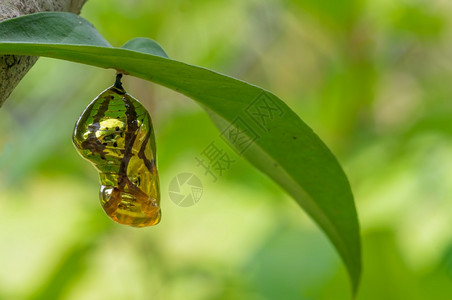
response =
{"points": [[115, 134]]}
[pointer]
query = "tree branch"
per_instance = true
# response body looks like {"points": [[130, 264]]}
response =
{"points": [[13, 68]]}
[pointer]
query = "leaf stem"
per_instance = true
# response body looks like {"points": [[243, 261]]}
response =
{"points": [[118, 83]]}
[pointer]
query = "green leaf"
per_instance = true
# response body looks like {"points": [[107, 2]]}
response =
{"points": [[74, 30], [256, 123], [145, 45]]}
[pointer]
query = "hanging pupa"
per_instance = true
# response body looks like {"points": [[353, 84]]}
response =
{"points": [[115, 134]]}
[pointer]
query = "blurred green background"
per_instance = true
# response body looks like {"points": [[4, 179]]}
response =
{"points": [[370, 77]]}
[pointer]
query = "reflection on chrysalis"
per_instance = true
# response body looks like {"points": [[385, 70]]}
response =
{"points": [[115, 134]]}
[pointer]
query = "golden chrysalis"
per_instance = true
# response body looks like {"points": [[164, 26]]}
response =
{"points": [[115, 134]]}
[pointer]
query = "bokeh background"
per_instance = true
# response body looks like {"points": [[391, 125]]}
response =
{"points": [[372, 78]]}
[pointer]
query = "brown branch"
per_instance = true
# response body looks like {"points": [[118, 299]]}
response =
{"points": [[13, 68]]}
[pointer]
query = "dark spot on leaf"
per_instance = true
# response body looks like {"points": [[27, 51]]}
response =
{"points": [[115, 144], [117, 128]]}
